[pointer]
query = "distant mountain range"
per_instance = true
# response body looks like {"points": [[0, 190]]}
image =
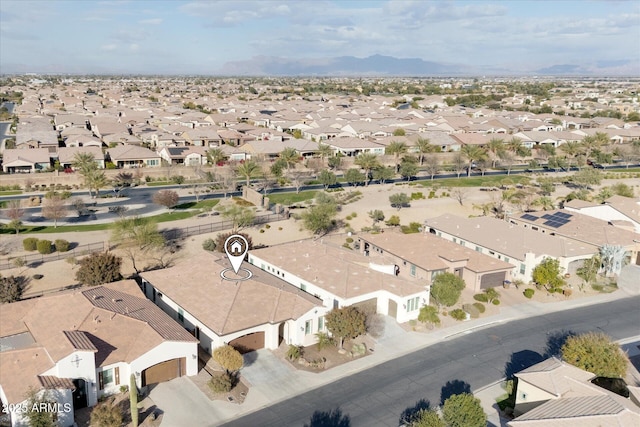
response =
{"points": [[380, 65]]}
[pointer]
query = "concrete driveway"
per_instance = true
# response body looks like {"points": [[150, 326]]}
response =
{"points": [[183, 404]]}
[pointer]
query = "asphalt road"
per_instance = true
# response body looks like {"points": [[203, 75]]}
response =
{"points": [[378, 396]]}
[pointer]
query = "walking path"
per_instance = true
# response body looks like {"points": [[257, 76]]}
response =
{"points": [[273, 380]]}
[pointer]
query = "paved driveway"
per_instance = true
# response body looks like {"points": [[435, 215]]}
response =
{"points": [[183, 404]]}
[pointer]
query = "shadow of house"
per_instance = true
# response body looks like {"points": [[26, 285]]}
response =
{"points": [[521, 360]]}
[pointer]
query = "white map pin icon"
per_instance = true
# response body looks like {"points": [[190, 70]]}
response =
{"points": [[236, 247]]}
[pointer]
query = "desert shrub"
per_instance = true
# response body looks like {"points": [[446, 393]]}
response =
{"points": [[209, 245], [495, 302], [37, 276], [267, 226], [30, 244], [529, 292], [261, 230], [567, 292], [349, 240], [45, 246], [106, 414], [413, 227], [61, 245], [472, 310], [481, 297], [295, 352], [324, 340], [479, 306], [458, 314], [354, 214], [222, 382]]}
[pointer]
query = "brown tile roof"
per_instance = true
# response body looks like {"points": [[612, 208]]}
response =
{"points": [[342, 272], [51, 382], [80, 341], [19, 370], [428, 252], [226, 306]]}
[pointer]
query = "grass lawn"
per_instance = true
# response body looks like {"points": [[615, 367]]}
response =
{"points": [[291, 198], [159, 183], [477, 181], [10, 193]]}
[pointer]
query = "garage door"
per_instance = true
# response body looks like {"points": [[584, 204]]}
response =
{"points": [[249, 342], [492, 280], [164, 371]]}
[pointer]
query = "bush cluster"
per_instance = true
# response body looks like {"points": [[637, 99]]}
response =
{"points": [[479, 306], [529, 292], [458, 314], [61, 245], [481, 297], [222, 383], [472, 310], [30, 244], [45, 246]]}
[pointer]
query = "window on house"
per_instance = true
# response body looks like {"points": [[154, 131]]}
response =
{"points": [[412, 304], [478, 249], [320, 323], [522, 268], [462, 242], [412, 270], [307, 327], [303, 287], [455, 240], [181, 315], [506, 259]]}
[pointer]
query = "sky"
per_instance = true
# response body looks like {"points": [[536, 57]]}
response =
{"points": [[199, 37]]}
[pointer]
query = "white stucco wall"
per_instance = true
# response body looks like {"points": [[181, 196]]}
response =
{"points": [[166, 351], [62, 402], [606, 213], [79, 365]]}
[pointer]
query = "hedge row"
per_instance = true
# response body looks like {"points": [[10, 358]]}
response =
{"points": [[45, 246]]}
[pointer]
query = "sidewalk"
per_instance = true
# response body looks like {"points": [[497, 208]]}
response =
{"points": [[272, 383]]}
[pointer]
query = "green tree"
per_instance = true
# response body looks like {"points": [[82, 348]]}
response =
{"points": [[345, 323], [376, 215], [229, 358], [547, 274], [396, 149], [319, 219], [106, 414], [240, 216], [354, 177], [427, 418], [491, 294], [408, 170], [589, 269], [596, 353], [40, 418], [622, 189], [446, 289], [587, 177], [473, 153], [458, 163], [463, 410], [399, 132], [327, 178], [383, 174], [432, 165], [424, 146], [399, 200], [99, 268], [248, 169], [324, 151], [216, 156], [11, 288], [495, 146], [429, 314], [289, 156], [334, 162], [368, 162], [137, 237], [571, 149]]}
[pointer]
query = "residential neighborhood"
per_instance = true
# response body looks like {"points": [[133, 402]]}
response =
{"points": [[387, 232]]}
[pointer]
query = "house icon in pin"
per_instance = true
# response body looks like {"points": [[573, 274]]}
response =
{"points": [[235, 248]]}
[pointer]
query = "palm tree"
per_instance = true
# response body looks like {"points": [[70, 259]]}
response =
{"points": [[396, 148], [590, 143], [571, 149], [289, 156], [84, 162], [495, 146], [368, 162], [423, 146], [215, 156], [323, 152], [96, 179], [248, 169], [472, 153], [514, 144]]}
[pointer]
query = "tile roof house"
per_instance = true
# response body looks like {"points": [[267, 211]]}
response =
{"points": [[259, 312], [424, 256], [17, 160], [131, 156], [66, 155], [85, 344], [553, 393], [616, 208], [188, 156], [523, 248], [352, 279]]}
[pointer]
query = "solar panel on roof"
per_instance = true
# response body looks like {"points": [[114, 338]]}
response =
{"points": [[554, 224], [547, 216], [529, 217]]}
